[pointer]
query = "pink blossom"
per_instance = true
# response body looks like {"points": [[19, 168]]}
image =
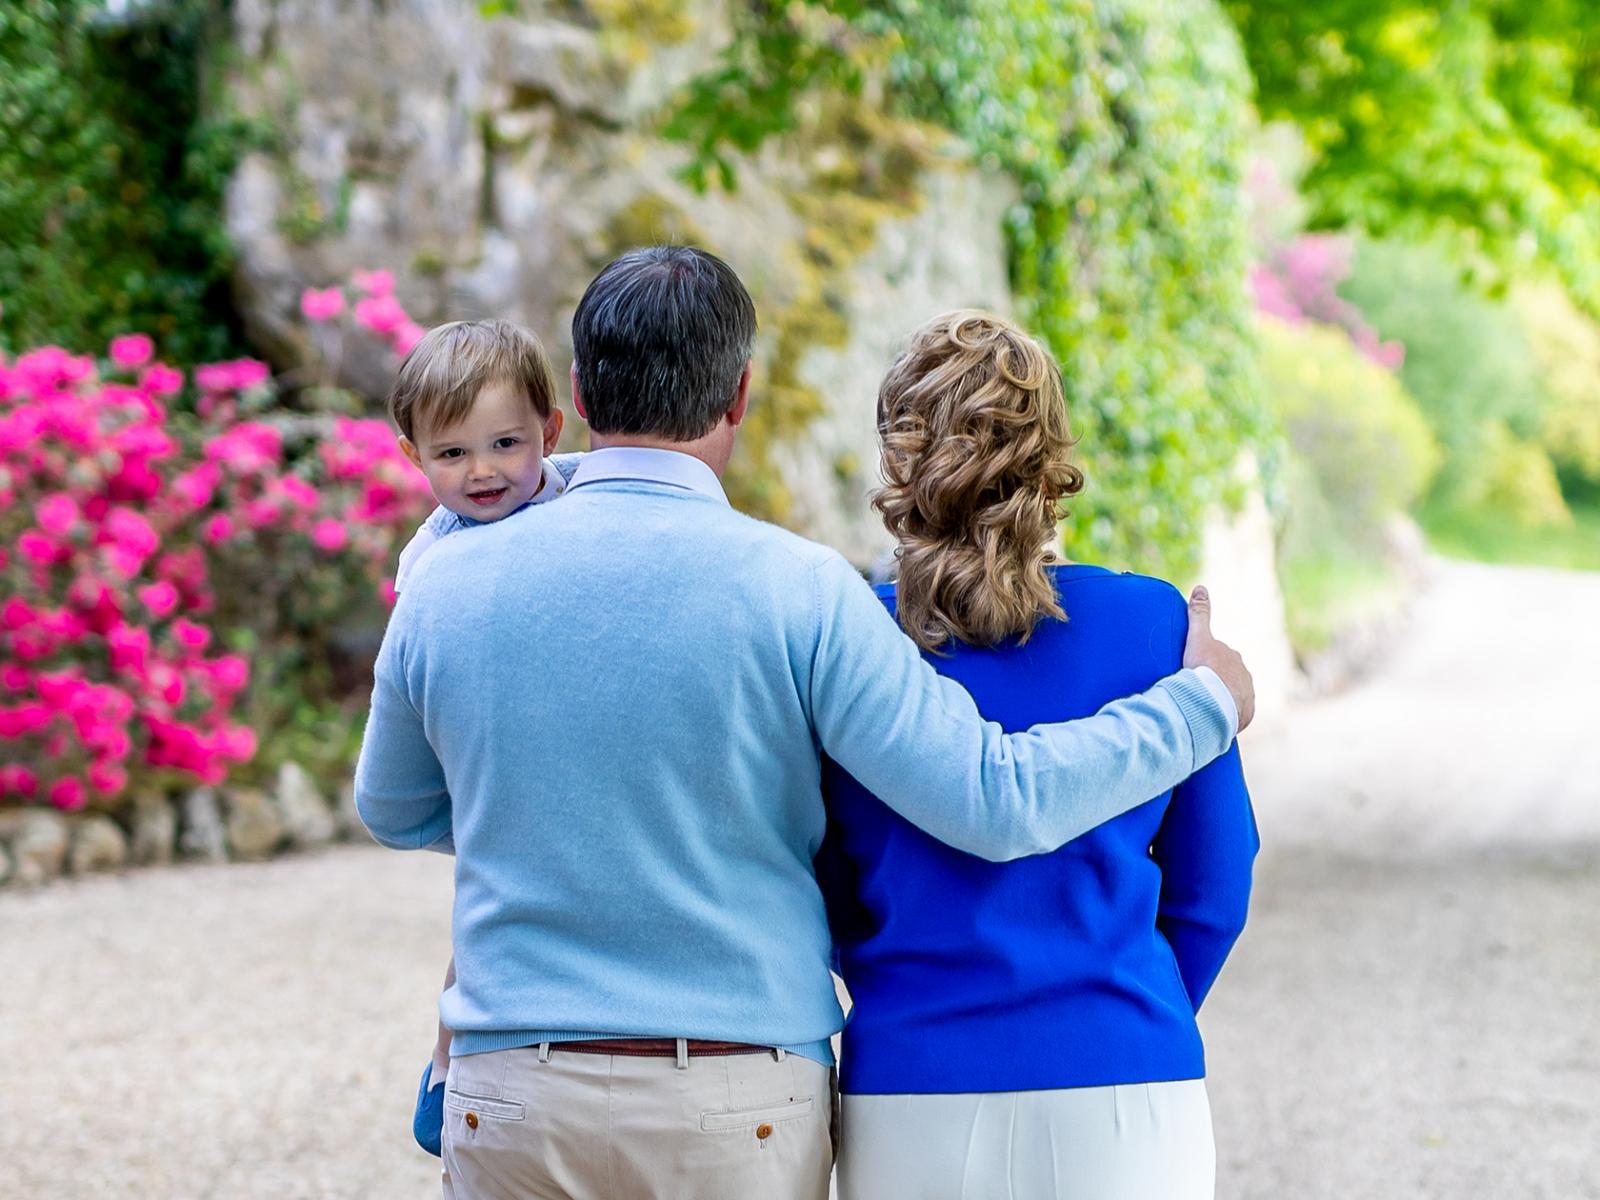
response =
{"points": [[133, 532], [64, 625], [261, 514], [299, 492], [15, 678], [321, 305], [190, 635], [161, 380], [57, 514], [387, 593], [167, 683], [249, 447], [229, 673], [218, 529], [330, 535], [17, 780], [39, 548], [132, 350], [23, 719], [238, 375], [374, 283], [119, 560], [196, 486], [380, 313], [129, 646], [109, 741], [238, 742], [68, 794], [107, 778], [160, 598], [15, 614], [405, 338]]}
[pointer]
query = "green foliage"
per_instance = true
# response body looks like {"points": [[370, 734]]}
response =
{"points": [[1359, 454], [781, 54], [1566, 351], [1491, 536], [1123, 123], [1470, 367], [111, 181], [1480, 118], [1368, 447]]}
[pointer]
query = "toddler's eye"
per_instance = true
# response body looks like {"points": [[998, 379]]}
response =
{"points": [[452, 452], [506, 443]]}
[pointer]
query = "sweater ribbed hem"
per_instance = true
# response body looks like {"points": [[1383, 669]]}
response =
{"points": [[1208, 725], [488, 1041]]}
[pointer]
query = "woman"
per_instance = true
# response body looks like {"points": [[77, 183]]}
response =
{"points": [[1024, 1029]]}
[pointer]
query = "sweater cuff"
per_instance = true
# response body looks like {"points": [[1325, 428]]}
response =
{"points": [[1212, 720], [1224, 697]]}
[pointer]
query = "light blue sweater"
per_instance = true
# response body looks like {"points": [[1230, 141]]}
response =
{"points": [[613, 708]]}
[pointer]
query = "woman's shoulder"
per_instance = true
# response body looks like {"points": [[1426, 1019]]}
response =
{"points": [[1128, 586]]}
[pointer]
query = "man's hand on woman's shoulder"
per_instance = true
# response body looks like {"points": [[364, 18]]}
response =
{"points": [[1202, 649]]}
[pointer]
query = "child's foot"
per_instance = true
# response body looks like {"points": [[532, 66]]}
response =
{"points": [[427, 1125]]}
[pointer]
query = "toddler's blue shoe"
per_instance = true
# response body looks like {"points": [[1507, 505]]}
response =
{"points": [[427, 1125]]}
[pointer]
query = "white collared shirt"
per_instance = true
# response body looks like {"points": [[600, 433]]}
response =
{"points": [[649, 465]]}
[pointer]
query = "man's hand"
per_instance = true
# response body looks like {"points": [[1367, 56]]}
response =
{"points": [[1204, 650]]}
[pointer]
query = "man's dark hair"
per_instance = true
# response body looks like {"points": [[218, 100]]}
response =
{"points": [[659, 340]]}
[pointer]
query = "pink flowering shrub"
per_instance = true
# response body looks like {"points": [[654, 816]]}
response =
{"points": [[1297, 274], [165, 574], [1299, 284]]}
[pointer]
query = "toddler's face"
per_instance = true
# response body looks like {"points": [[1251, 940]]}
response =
{"points": [[491, 462]]}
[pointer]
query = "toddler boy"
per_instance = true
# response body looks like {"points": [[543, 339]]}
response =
{"points": [[475, 405]]}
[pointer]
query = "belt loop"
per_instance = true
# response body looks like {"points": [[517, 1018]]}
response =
{"points": [[544, 1051], [779, 1054], [683, 1054]]}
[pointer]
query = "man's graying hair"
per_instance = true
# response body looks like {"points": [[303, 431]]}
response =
{"points": [[659, 341]]}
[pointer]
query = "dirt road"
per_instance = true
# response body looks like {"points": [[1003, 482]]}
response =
{"points": [[1413, 1013]]}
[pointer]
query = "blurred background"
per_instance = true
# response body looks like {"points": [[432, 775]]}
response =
{"points": [[1324, 280]]}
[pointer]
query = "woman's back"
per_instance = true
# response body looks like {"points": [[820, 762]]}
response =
{"points": [[1079, 968]]}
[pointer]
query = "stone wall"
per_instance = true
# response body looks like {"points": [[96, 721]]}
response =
{"points": [[494, 165]]}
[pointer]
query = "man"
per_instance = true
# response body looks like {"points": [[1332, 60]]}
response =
{"points": [[612, 709]]}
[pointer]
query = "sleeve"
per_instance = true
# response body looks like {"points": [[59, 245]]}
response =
{"points": [[429, 532], [400, 786], [1206, 849], [567, 464], [917, 741]]}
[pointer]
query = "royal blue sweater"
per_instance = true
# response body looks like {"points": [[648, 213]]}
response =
{"points": [[1077, 968]]}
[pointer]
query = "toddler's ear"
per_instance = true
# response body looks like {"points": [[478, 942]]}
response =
{"points": [[409, 449], [552, 430]]}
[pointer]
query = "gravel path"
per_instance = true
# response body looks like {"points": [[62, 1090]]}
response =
{"points": [[1414, 1012]]}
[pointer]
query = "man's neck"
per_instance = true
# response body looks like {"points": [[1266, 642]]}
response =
{"points": [[707, 449]]}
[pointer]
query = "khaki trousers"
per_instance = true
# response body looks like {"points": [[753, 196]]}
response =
{"points": [[530, 1125]]}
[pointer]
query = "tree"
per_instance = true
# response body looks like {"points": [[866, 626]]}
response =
{"points": [[1476, 118]]}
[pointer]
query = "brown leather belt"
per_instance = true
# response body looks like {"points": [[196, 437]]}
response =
{"points": [[659, 1047]]}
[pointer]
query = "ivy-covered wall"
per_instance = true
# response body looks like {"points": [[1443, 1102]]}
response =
{"points": [[1123, 124]]}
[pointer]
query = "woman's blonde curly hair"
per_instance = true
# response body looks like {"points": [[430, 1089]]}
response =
{"points": [[976, 448]]}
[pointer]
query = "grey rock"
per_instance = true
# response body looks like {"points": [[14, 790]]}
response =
{"points": [[154, 834], [202, 833], [98, 844], [350, 822], [307, 819], [38, 840], [255, 829]]}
